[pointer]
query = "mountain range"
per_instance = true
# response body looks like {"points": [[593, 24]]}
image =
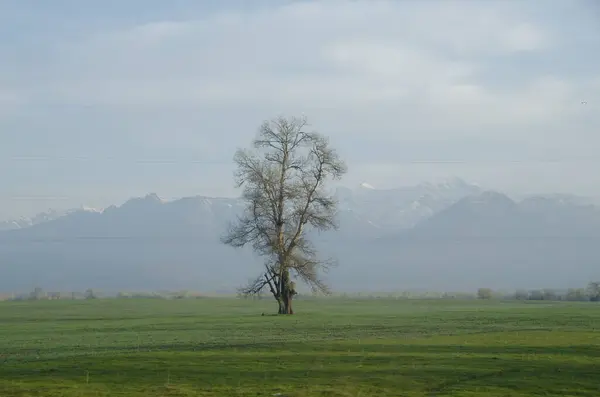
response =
{"points": [[447, 236]]}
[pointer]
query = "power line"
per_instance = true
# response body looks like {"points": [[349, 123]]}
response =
{"points": [[200, 237], [579, 159], [116, 159], [34, 197]]}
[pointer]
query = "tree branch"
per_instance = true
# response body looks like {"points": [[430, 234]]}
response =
{"points": [[283, 186]]}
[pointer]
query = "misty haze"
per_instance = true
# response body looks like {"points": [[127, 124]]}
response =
{"points": [[415, 181], [447, 236]]}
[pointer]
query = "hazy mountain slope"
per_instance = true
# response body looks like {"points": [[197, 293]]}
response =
{"points": [[145, 243], [485, 239], [403, 207], [42, 217], [493, 214], [468, 264], [489, 240]]}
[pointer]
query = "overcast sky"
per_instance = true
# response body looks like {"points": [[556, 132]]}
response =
{"points": [[107, 99]]}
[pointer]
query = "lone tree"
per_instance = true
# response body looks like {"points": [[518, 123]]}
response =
{"points": [[283, 179]]}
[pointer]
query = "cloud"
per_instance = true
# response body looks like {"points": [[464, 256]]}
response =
{"points": [[335, 53], [310, 56], [9, 101], [525, 37], [469, 28], [418, 80], [544, 99], [440, 56], [409, 59]]}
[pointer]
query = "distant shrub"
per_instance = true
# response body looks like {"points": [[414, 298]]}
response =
{"points": [[484, 293], [147, 295], [550, 295], [521, 295], [576, 295], [37, 293], [536, 295], [593, 291], [20, 297], [54, 295], [182, 295]]}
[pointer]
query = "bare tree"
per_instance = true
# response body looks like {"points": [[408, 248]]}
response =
{"points": [[283, 179]]}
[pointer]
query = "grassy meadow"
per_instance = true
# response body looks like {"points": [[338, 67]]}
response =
{"points": [[225, 347]]}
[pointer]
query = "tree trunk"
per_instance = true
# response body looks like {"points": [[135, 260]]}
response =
{"points": [[285, 302], [285, 294], [290, 310], [285, 306], [282, 309]]}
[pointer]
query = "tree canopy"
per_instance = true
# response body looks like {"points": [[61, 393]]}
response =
{"points": [[284, 177]]}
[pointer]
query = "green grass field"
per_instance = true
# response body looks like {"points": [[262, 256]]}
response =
{"points": [[219, 347]]}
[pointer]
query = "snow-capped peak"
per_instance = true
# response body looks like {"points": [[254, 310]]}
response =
{"points": [[366, 185], [153, 197], [85, 208]]}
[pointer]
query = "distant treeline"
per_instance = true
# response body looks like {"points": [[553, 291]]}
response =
{"points": [[589, 294], [39, 294]]}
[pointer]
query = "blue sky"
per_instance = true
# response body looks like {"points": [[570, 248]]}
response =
{"points": [[104, 100]]}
